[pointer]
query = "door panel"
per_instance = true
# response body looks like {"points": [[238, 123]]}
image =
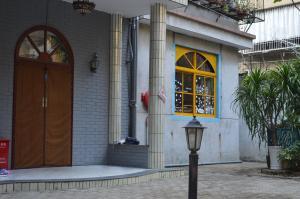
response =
{"points": [[58, 115], [29, 116]]}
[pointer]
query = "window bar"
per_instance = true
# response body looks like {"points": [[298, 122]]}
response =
{"points": [[188, 60], [215, 97], [45, 41], [194, 95], [182, 91], [204, 93], [33, 44], [194, 84]]}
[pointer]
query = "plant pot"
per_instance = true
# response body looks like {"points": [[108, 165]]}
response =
{"points": [[285, 164], [268, 160], [275, 163], [295, 165]]}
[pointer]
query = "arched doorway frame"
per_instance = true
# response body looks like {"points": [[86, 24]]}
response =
{"points": [[18, 59]]}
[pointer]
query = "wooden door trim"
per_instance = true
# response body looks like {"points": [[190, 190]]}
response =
{"points": [[19, 60]]}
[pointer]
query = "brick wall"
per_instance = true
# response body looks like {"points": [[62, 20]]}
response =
{"points": [[128, 155], [86, 35], [125, 80]]}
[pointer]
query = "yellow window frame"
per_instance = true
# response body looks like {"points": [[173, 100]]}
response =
{"points": [[212, 59]]}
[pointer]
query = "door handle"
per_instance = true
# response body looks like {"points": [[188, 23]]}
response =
{"points": [[44, 102]]}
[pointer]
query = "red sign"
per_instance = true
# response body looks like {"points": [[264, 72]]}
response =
{"points": [[4, 148]]}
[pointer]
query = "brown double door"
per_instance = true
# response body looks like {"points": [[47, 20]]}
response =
{"points": [[42, 115]]}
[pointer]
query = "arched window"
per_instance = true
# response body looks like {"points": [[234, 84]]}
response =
{"points": [[43, 44], [195, 83]]}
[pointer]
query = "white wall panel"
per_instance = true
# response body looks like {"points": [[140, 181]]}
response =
{"points": [[280, 23]]}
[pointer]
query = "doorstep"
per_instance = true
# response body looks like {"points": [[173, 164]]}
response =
{"points": [[63, 178]]}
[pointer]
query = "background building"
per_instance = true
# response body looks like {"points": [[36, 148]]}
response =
{"points": [[277, 40]]}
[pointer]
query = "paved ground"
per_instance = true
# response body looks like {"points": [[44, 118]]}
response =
{"points": [[230, 181]]}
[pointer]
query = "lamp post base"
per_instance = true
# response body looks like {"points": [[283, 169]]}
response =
{"points": [[193, 175]]}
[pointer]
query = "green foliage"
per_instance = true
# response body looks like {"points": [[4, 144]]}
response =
{"points": [[275, 1], [291, 153], [244, 5], [250, 98], [287, 76], [268, 100]]}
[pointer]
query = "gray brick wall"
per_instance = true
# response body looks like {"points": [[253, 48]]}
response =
{"points": [[86, 35], [125, 79], [128, 155]]}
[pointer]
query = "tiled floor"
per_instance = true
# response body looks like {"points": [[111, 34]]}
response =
{"points": [[229, 181], [70, 173]]}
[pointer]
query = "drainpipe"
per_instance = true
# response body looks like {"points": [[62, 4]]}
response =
{"points": [[133, 74]]}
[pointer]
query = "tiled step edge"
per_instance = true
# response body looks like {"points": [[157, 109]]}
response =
{"points": [[42, 186]]}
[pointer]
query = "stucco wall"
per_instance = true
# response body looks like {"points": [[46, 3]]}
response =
{"points": [[221, 139], [250, 149], [86, 35]]}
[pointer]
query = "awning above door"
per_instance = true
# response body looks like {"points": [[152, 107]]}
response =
{"points": [[133, 8]]}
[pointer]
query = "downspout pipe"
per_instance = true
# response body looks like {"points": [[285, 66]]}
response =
{"points": [[133, 77]]}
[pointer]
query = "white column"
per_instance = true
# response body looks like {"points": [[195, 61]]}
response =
{"points": [[115, 79], [156, 85]]}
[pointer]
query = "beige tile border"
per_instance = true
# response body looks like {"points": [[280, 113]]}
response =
{"points": [[86, 184]]}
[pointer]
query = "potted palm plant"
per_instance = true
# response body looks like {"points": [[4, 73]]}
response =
{"points": [[291, 156], [264, 100]]}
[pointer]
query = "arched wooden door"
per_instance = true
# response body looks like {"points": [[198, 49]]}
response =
{"points": [[43, 95]]}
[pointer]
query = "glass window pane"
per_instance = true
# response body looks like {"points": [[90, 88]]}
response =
{"points": [[209, 105], [188, 82], [199, 138], [207, 67], [199, 104], [209, 90], [199, 59], [52, 42], [178, 82], [60, 55], [190, 57], [178, 102], [38, 39], [200, 85], [191, 138], [183, 61], [188, 103], [27, 50]]}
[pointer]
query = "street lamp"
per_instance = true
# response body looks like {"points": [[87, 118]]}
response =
{"points": [[194, 132]]}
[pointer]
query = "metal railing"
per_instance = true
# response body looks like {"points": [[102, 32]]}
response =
{"points": [[275, 45], [243, 11]]}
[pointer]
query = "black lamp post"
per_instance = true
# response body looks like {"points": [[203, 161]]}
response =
{"points": [[194, 132]]}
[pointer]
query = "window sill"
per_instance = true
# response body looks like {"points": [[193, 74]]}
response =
{"points": [[175, 117]]}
